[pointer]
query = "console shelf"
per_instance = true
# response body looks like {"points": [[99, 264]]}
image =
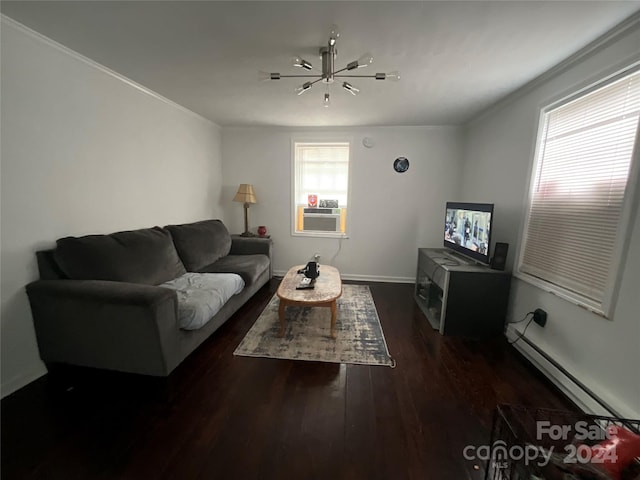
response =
{"points": [[460, 297]]}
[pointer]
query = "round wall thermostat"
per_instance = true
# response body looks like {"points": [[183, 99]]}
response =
{"points": [[401, 164], [368, 142]]}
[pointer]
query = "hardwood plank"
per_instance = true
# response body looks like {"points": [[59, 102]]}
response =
{"points": [[220, 416], [360, 424]]}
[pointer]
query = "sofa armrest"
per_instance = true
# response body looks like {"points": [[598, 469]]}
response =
{"points": [[103, 324], [250, 246]]}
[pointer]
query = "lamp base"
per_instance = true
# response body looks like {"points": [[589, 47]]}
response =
{"points": [[248, 234]]}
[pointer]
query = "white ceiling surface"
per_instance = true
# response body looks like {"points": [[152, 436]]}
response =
{"points": [[455, 58]]}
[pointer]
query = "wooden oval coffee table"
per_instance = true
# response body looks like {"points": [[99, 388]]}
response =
{"points": [[328, 288]]}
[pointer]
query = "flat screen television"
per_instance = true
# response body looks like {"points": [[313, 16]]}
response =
{"points": [[467, 229]]}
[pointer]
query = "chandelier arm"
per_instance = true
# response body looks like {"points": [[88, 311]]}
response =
{"points": [[319, 77], [341, 70], [316, 81], [355, 76]]}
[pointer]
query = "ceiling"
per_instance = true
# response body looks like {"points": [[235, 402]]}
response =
{"points": [[455, 58]]}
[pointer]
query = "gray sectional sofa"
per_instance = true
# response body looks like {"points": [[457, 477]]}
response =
{"points": [[140, 301]]}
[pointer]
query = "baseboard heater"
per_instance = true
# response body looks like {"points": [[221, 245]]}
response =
{"points": [[577, 382]]}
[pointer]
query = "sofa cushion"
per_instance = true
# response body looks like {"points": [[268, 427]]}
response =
{"points": [[249, 267], [145, 256], [201, 243], [202, 295]]}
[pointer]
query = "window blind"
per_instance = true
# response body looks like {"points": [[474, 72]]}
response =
{"points": [[322, 169], [583, 161]]}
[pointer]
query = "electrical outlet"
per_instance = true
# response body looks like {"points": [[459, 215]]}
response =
{"points": [[540, 317]]}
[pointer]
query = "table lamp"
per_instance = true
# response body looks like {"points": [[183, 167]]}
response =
{"points": [[245, 195]]}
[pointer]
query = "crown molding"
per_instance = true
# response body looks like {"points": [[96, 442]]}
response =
{"points": [[589, 50], [8, 21]]}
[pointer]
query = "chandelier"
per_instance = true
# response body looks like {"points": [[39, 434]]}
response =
{"points": [[329, 74]]}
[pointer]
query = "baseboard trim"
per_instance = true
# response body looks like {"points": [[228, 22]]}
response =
{"points": [[377, 278], [16, 383], [361, 278], [578, 396]]}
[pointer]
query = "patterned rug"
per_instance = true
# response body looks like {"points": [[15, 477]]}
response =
{"points": [[359, 334]]}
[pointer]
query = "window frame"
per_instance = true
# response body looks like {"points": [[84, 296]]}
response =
{"points": [[606, 308], [326, 137]]}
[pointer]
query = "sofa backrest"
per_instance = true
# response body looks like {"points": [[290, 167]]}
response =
{"points": [[200, 244], [146, 256]]}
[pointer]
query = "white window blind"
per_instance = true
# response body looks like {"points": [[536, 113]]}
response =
{"points": [[322, 169], [582, 167]]}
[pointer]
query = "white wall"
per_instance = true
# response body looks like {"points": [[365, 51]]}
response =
{"points": [[603, 354], [390, 214], [84, 151]]}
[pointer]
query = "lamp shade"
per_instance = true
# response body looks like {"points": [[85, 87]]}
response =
{"points": [[245, 194]]}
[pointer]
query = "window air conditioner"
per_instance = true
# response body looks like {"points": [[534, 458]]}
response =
{"points": [[321, 222]]}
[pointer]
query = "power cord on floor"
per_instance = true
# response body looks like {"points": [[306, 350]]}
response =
{"points": [[525, 328]]}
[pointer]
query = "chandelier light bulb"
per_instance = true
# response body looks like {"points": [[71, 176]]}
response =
{"points": [[393, 76], [303, 88], [334, 33], [327, 100], [350, 88], [302, 63], [365, 60]]}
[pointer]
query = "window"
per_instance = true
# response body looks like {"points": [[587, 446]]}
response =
{"points": [[576, 220], [321, 188]]}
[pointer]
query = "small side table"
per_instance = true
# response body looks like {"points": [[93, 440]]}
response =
{"points": [[259, 237]]}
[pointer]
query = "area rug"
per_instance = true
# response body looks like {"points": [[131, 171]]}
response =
{"points": [[359, 338]]}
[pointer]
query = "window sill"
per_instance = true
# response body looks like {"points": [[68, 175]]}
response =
{"points": [[568, 295], [320, 234]]}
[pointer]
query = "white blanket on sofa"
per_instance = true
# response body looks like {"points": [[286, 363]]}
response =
{"points": [[202, 295]]}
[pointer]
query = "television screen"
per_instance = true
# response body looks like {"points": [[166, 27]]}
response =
{"points": [[467, 229]]}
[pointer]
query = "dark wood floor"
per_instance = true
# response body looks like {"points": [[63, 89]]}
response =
{"points": [[220, 416]]}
